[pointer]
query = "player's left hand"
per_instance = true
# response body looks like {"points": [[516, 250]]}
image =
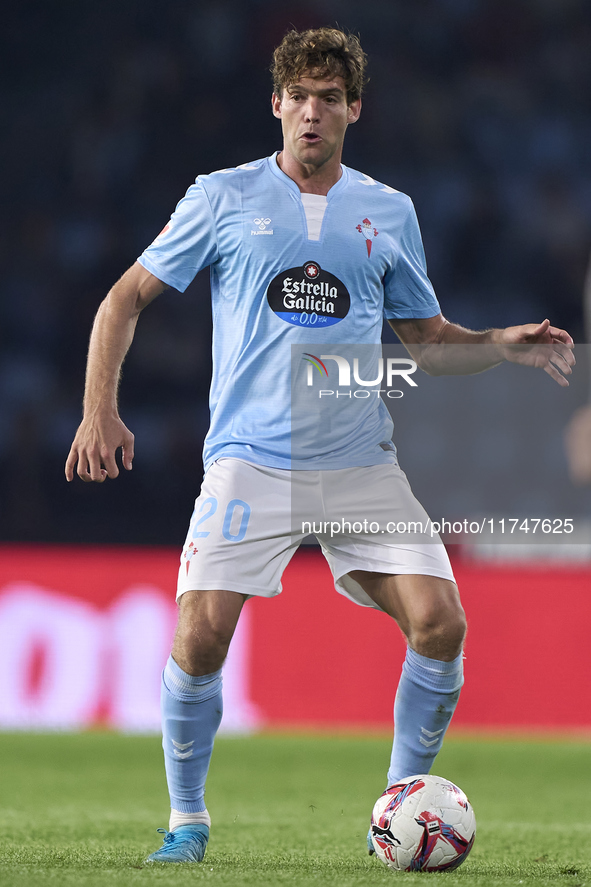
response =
{"points": [[540, 345]]}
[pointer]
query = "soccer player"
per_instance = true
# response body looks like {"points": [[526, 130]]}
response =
{"points": [[578, 431], [301, 250]]}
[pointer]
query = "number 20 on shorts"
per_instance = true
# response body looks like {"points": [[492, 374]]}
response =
{"points": [[207, 510]]}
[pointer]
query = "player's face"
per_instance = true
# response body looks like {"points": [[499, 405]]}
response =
{"points": [[314, 116]]}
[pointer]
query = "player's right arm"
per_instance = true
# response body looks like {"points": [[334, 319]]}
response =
{"points": [[101, 431]]}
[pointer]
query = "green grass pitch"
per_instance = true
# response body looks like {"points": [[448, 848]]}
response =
{"points": [[82, 809]]}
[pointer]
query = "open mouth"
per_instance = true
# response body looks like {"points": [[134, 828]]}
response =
{"points": [[310, 137]]}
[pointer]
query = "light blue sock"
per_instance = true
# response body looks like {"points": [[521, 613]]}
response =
{"points": [[191, 714], [426, 699]]}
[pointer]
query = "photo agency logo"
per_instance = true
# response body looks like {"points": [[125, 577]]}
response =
{"points": [[391, 370]]}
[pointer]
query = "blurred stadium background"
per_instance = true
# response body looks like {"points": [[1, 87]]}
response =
{"points": [[481, 111]]}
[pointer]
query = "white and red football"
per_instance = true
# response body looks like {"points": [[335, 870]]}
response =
{"points": [[423, 823]]}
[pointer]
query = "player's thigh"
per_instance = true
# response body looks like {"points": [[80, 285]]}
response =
{"points": [[428, 609], [383, 540]]}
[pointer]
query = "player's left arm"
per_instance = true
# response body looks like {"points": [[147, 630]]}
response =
{"points": [[532, 344]]}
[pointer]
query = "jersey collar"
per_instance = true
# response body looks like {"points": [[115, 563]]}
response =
{"points": [[278, 172]]}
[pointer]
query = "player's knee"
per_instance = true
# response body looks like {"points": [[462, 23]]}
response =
{"points": [[205, 628], [439, 631], [201, 648]]}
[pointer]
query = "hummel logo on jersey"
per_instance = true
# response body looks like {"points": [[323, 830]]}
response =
{"points": [[262, 223], [369, 232]]}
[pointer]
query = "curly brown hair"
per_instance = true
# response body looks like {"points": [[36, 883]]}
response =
{"points": [[325, 52]]}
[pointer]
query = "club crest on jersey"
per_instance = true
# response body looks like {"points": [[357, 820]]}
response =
{"points": [[263, 224], [308, 296], [369, 232]]}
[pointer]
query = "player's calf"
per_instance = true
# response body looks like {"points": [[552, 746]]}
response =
{"points": [[426, 699]]}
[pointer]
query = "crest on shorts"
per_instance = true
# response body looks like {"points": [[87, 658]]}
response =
{"points": [[369, 232], [190, 551]]}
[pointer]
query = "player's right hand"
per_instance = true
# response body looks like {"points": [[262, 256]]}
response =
{"points": [[94, 449]]}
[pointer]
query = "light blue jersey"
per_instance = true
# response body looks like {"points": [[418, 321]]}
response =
{"points": [[276, 292]]}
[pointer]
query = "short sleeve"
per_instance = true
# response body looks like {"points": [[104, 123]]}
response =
{"points": [[187, 244], [408, 292]]}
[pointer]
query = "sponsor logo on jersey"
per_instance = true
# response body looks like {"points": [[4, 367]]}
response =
{"points": [[369, 232], [263, 224], [308, 296]]}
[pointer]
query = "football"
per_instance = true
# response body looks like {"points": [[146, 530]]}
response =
{"points": [[423, 823]]}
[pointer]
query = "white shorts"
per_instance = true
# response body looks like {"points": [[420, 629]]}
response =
{"points": [[249, 521]]}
